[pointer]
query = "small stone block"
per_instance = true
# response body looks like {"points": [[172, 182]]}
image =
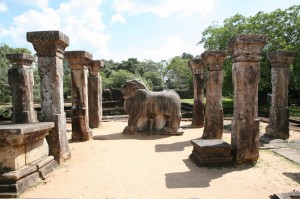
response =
{"points": [[212, 151]]}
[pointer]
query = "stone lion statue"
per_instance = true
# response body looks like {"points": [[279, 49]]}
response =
{"points": [[149, 111]]}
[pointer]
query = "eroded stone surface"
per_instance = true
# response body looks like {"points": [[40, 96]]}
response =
{"points": [[157, 112], [95, 94], [279, 111], [50, 47], [246, 52], [197, 67], [79, 61], [20, 79], [213, 128]]}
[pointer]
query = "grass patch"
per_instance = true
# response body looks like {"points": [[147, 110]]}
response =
{"points": [[227, 103]]}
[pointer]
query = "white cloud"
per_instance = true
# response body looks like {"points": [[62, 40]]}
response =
{"points": [[173, 45], [165, 8], [118, 18], [3, 7], [80, 20]]}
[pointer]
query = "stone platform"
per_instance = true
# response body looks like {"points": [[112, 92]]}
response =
{"points": [[211, 152], [24, 157]]}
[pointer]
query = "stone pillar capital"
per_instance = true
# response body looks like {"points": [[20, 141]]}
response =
{"points": [[20, 60], [48, 43], [247, 47], [214, 59], [95, 67], [281, 59], [78, 60], [196, 65]]}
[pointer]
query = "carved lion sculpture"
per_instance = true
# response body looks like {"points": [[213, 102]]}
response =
{"points": [[151, 111]]}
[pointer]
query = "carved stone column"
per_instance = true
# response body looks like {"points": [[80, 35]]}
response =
{"points": [[95, 94], [214, 60], [197, 68], [50, 46], [79, 61], [279, 111], [20, 79], [246, 51]]}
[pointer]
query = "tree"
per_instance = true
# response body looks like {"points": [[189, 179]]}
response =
{"points": [[5, 94], [178, 74], [283, 30]]}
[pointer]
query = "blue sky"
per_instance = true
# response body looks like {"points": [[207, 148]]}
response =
{"points": [[120, 29]]}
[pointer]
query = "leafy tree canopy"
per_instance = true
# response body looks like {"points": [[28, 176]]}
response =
{"points": [[282, 28]]}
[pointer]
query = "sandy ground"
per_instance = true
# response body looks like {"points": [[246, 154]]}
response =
{"points": [[142, 166]]}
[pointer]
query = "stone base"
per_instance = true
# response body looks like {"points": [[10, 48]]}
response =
{"points": [[212, 152], [277, 134], [13, 183]]}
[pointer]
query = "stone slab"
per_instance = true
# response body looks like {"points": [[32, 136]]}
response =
{"points": [[12, 176], [20, 185], [47, 169], [19, 134], [289, 153], [12, 157], [213, 152]]}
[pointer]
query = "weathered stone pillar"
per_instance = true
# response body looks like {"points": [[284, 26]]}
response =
{"points": [[79, 61], [213, 128], [20, 79], [279, 111], [246, 51], [197, 68], [50, 46], [95, 94]]}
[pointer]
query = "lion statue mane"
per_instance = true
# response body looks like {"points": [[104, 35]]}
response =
{"points": [[152, 112]]}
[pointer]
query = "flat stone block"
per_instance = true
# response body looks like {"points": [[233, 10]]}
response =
{"points": [[48, 168], [36, 150], [18, 134], [19, 186], [13, 176], [12, 157], [210, 152]]}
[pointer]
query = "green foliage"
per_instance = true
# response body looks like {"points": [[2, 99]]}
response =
{"points": [[178, 74], [5, 93], [67, 81], [283, 30], [115, 74], [118, 78], [154, 79]]}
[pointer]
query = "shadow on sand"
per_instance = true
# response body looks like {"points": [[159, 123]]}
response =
{"points": [[198, 177], [178, 146], [137, 136], [293, 176]]}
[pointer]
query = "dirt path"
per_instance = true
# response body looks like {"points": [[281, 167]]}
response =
{"points": [[119, 166]]}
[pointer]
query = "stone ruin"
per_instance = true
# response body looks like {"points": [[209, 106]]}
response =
{"points": [[246, 52], [31, 149], [197, 67], [279, 112], [149, 111], [24, 151]]}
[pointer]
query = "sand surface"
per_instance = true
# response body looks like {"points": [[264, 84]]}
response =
{"points": [[143, 166]]}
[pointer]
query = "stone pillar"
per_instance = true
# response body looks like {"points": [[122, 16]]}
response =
{"points": [[79, 61], [50, 46], [95, 94], [213, 128], [21, 81], [246, 51], [279, 111], [197, 68]]}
